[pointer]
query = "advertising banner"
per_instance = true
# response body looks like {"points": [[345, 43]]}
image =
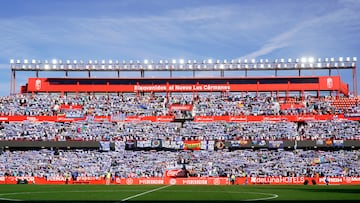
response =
{"points": [[338, 143], [182, 107], [156, 143], [274, 144], [207, 145], [192, 145], [172, 178]]}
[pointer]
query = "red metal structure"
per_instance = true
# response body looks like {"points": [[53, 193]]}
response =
{"points": [[297, 83], [275, 85]]}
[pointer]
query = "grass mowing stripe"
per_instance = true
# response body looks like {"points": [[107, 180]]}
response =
{"points": [[144, 193]]}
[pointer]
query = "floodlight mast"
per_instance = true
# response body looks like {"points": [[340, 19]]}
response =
{"points": [[222, 66]]}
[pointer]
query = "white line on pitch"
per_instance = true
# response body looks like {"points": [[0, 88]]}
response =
{"points": [[144, 193]]}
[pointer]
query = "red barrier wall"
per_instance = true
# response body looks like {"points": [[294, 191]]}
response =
{"points": [[187, 181]]}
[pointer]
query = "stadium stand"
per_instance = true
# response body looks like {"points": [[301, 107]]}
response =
{"points": [[210, 133]]}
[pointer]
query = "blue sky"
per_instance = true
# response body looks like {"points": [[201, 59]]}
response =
{"points": [[174, 29]]}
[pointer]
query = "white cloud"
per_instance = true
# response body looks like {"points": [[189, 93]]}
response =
{"points": [[322, 28]]}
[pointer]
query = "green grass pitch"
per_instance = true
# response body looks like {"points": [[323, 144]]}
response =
{"points": [[119, 193]]}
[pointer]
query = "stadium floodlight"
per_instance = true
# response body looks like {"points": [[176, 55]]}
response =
{"points": [[276, 60], [26, 61], [46, 66], [18, 61], [311, 59], [90, 62], [262, 65], [302, 65], [332, 59], [195, 62], [181, 61], [60, 62], [210, 61], [54, 61], [225, 61], [303, 60], [246, 66], [232, 61], [289, 60], [239, 61], [161, 61], [266, 60], [341, 59], [245, 60], [12, 61], [33, 61], [173, 61], [326, 59], [110, 62], [347, 59], [131, 62], [319, 60], [117, 62], [75, 61], [166, 62], [67, 62], [189, 61], [96, 62], [150, 66], [222, 66], [146, 61], [253, 61], [354, 58], [282, 60], [123, 62], [217, 61], [319, 65], [103, 62]]}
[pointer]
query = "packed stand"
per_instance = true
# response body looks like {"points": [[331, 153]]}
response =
{"points": [[46, 163], [204, 104], [89, 130]]}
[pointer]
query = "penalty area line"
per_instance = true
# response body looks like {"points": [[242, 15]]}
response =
{"points": [[144, 193]]}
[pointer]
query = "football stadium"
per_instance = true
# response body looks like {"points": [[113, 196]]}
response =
{"points": [[172, 138]]}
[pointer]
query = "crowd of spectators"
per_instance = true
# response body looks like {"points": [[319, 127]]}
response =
{"points": [[206, 104], [123, 163], [127, 163], [146, 130]]}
